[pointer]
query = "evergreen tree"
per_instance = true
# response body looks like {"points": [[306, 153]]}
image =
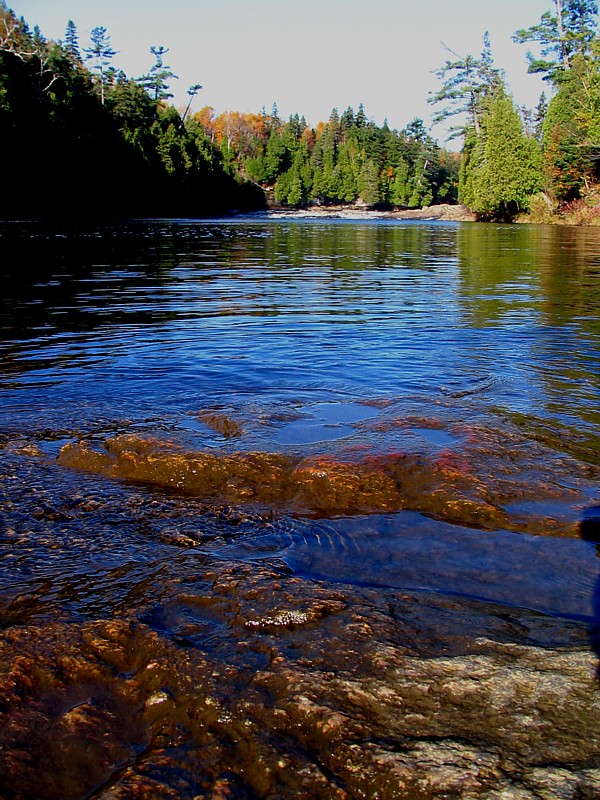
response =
{"points": [[324, 160], [277, 158], [100, 54], [416, 130], [400, 192], [571, 129], [274, 120], [148, 161], [347, 120], [539, 116], [192, 92], [560, 36], [421, 191], [472, 163], [502, 166], [345, 178], [132, 109], [155, 82], [72, 43], [361, 117], [368, 183], [467, 81]]}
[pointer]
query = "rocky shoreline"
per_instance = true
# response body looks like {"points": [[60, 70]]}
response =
{"points": [[444, 213]]}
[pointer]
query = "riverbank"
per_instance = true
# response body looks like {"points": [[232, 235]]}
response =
{"points": [[579, 213]]}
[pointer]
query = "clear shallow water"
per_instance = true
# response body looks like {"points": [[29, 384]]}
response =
{"points": [[407, 550], [323, 338]]}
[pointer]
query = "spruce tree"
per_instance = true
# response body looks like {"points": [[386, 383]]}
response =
{"points": [[539, 115], [72, 43], [368, 183]]}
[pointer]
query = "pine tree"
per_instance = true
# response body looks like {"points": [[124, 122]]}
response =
{"points": [[155, 82], [192, 92], [101, 55], [560, 36], [467, 81]]}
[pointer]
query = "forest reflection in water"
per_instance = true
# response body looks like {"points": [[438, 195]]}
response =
{"points": [[215, 434]]}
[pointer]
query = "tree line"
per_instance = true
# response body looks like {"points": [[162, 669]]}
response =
{"points": [[83, 135], [513, 159], [80, 137], [517, 159], [347, 159]]}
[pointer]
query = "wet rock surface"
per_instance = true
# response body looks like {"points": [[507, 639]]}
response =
{"points": [[244, 682], [146, 652], [494, 479]]}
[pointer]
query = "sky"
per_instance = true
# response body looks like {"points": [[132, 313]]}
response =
{"points": [[307, 56]]}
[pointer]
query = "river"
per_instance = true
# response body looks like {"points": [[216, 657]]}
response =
{"points": [[299, 507]]}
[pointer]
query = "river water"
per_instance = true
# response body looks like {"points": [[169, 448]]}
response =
{"points": [[409, 406]]}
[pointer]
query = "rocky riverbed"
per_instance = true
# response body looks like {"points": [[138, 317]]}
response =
{"points": [[298, 509], [142, 658], [230, 680]]}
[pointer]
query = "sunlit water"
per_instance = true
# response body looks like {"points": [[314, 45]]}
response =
{"points": [[315, 337]]}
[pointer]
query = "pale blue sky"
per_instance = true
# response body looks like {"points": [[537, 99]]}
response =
{"points": [[306, 55]]}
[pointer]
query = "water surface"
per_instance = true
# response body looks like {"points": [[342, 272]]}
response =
{"points": [[472, 349]]}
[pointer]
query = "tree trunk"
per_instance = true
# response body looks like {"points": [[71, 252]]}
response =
{"points": [[561, 34]]}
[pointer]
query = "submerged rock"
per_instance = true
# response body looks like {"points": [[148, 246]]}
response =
{"points": [[267, 478], [492, 481], [253, 684]]}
